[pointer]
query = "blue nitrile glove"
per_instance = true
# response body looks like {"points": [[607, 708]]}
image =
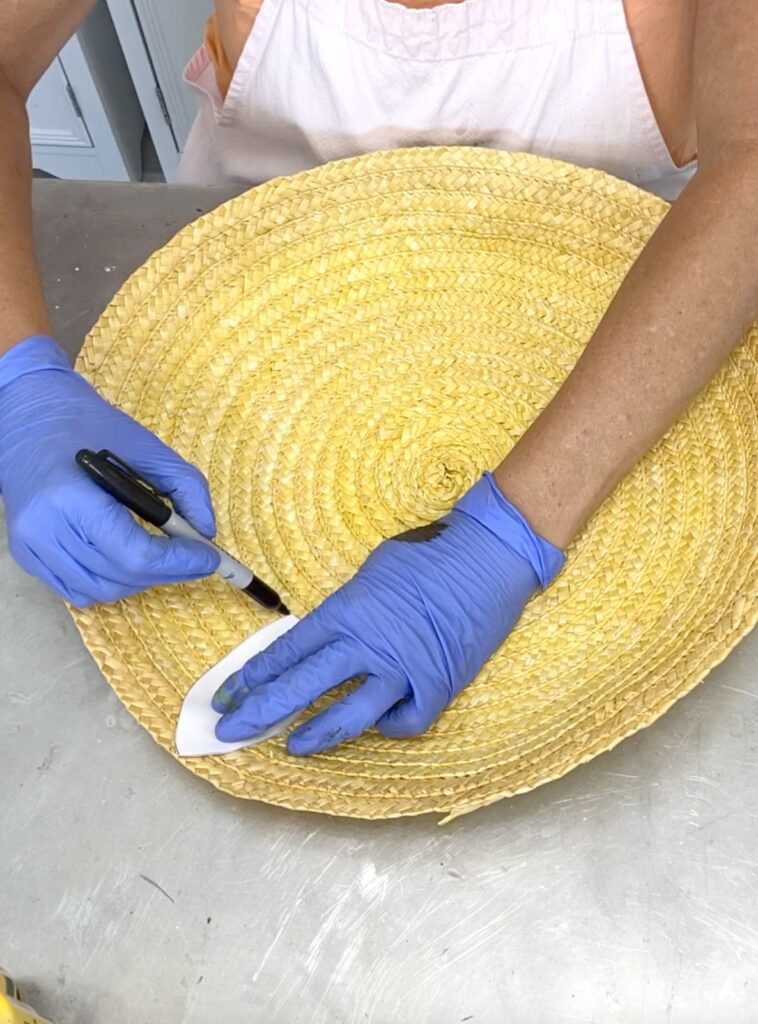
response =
{"points": [[418, 619], [62, 527]]}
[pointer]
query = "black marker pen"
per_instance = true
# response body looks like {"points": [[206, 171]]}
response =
{"points": [[127, 486]]}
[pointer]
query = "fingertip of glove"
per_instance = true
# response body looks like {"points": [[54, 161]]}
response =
{"points": [[191, 559], [221, 701], [227, 696], [230, 730], [206, 558], [208, 521], [193, 501], [303, 742], [204, 521], [297, 748]]}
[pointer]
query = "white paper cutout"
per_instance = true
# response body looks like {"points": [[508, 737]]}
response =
{"points": [[195, 730]]}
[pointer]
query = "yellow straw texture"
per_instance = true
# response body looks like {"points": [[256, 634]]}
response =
{"points": [[343, 353]]}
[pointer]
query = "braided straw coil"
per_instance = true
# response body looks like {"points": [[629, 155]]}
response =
{"points": [[342, 353]]}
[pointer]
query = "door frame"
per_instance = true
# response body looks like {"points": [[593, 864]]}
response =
{"points": [[146, 85]]}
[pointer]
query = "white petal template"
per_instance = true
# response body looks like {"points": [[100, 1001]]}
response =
{"points": [[195, 730]]}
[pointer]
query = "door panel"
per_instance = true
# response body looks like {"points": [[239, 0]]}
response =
{"points": [[53, 115], [173, 31]]}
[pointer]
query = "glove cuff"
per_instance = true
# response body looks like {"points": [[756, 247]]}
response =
{"points": [[487, 504], [39, 352]]}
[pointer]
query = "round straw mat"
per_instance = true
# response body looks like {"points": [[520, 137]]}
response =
{"points": [[343, 353]]}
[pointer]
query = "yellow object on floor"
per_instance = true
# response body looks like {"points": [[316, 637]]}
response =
{"points": [[343, 353], [12, 1010]]}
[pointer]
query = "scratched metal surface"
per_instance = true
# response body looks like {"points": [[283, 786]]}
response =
{"points": [[132, 891]]}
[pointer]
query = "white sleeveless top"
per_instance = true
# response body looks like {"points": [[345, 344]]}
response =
{"points": [[323, 79]]}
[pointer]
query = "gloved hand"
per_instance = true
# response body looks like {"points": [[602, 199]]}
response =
{"points": [[418, 620], [62, 527]]}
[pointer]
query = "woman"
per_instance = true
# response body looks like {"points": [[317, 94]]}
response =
{"points": [[638, 88]]}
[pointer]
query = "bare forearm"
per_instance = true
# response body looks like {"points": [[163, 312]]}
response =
{"points": [[22, 304], [31, 33], [684, 305]]}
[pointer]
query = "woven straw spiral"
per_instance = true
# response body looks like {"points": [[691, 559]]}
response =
{"points": [[342, 353]]}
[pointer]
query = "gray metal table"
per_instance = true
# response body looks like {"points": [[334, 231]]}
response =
{"points": [[134, 892]]}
